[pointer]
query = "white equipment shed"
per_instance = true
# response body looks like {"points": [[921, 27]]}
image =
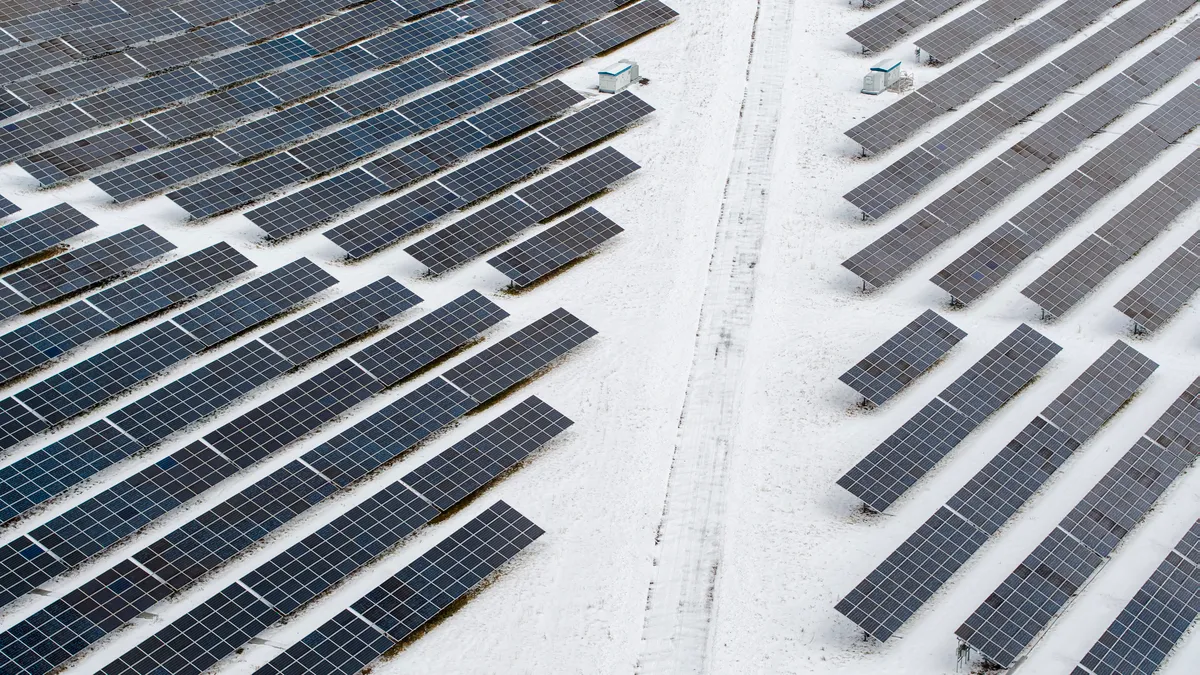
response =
{"points": [[617, 77], [882, 76]]}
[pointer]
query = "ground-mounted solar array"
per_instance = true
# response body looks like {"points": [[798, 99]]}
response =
{"points": [[1121, 123], [149, 368], [904, 357]]}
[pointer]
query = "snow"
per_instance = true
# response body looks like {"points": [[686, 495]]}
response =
{"points": [[692, 520]]}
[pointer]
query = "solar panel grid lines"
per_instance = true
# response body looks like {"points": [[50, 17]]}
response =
{"points": [[199, 638], [86, 266], [203, 544], [375, 229], [1069, 279], [52, 634], [410, 598], [1156, 298], [910, 575], [519, 355], [310, 404], [388, 433], [40, 231], [87, 383], [554, 247], [892, 24], [925, 439], [466, 466], [7, 208], [1030, 596], [1100, 391], [957, 36], [1142, 636], [47, 337], [59, 21], [497, 222], [903, 357], [897, 122], [883, 260]]}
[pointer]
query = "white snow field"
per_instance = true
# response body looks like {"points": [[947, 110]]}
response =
{"points": [[692, 520]]}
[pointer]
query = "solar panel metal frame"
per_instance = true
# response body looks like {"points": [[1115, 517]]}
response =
{"points": [[554, 247]]}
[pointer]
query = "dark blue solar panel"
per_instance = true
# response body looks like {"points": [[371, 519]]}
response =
{"points": [[389, 432], [20, 560], [170, 284], [33, 234], [43, 339], [39, 476], [229, 527]]}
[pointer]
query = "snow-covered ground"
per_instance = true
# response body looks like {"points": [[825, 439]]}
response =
{"points": [[692, 521]]}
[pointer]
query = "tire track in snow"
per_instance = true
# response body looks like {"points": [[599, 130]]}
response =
{"points": [[680, 606]]}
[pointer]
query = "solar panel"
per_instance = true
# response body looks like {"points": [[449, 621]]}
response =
{"points": [[201, 637], [906, 579], [903, 357], [373, 230], [200, 545], [85, 384], [40, 231], [53, 634], [326, 199], [1143, 634], [49, 471], [156, 173], [629, 23], [899, 120], [64, 20], [554, 247], [7, 208], [170, 284], [1125, 495], [498, 222], [897, 463], [471, 463], [389, 432], [411, 597], [85, 267], [891, 25], [1100, 391], [1160, 295], [314, 564], [310, 404], [1012, 616], [519, 355], [195, 395]]}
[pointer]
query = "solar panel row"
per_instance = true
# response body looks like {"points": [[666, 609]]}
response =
{"points": [[46, 338], [357, 141], [985, 264], [386, 224], [886, 28], [1025, 603], [79, 269], [120, 510], [180, 123], [893, 253], [917, 446], [903, 358], [1160, 295], [496, 223], [211, 113], [89, 382], [308, 568], [324, 200], [554, 247], [33, 234], [1143, 634], [975, 130], [201, 545], [7, 208], [358, 99], [907, 578], [411, 597], [1067, 281], [957, 36], [899, 120], [213, 195]]}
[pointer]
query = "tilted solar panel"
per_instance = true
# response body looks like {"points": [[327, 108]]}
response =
{"points": [[896, 465], [903, 357], [414, 595]]}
